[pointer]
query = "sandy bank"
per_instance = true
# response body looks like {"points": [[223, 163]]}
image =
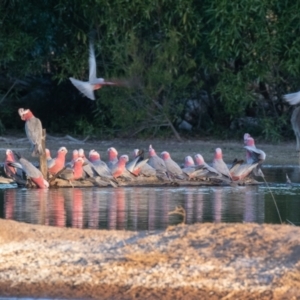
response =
{"points": [[202, 261]]}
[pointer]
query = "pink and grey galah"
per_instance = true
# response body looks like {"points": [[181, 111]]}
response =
{"points": [[188, 161], [173, 169], [87, 88], [219, 164], [140, 166], [241, 170], [254, 155], [136, 165], [31, 171], [9, 170], [119, 169], [74, 173], [158, 164], [201, 170], [33, 129], [112, 157], [56, 164], [99, 166]]}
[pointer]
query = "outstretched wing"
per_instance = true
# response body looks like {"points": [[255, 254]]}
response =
{"points": [[92, 64], [84, 87], [293, 98]]}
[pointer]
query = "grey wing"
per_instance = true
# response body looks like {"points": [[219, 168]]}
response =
{"points": [[34, 130], [173, 167], [256, 154], [221, 167], [157, 163], [293, 98], [30, 169], [147, 170], [102, 169], [84, 87]]}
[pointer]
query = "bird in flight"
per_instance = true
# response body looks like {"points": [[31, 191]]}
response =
{"points": [[87, 87]]}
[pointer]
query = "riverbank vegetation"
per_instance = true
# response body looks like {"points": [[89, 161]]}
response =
{"points": [[198, 68]]}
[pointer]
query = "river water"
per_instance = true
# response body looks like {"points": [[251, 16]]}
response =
{"points": [[141, 208]]}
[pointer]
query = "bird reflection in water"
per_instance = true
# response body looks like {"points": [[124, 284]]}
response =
{"points": [[199, 207], [188, 206], [217, 205], [77, 208], [151, 209], [93, 209], [9, 204], [56, 210], [120, 196]]}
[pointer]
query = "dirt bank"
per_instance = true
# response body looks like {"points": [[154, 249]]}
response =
{"points": [[203, 261]]}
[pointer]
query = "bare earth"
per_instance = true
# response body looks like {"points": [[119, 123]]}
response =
{"points": [[202, 261]]}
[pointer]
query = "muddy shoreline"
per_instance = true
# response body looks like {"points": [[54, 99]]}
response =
{"points": [[201, 261]]}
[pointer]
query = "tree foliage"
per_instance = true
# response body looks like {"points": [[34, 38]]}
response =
{"points": [[242, 55]]}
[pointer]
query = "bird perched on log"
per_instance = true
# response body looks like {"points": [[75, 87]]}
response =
{"points": [[10, 170], [219, 164], [31, 171], [74, 173], [173, 169], [87, 87], [158, 164], [112, 157], [254, 155], [136, 165], [120, 167], [58, 163], [33, 129]]}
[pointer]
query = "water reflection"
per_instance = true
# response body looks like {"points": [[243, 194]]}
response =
{"points": [[140, 208]]}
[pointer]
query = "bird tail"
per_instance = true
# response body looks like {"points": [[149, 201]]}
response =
{"points": [[38, 150]]}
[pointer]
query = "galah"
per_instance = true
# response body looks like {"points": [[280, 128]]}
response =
{"points": [[199, 161], [254, 155], [241, 170], [136, 165], [87, 166], [155, 161], [140, 165], [74, 173], [103, 174], [9, 170], [120, 167], [188, 161], [87, 87], [31, 171], [56, 164], [173, 169], [33, 129], [99, 166], [201, 170], [112, 157], [219, 164]]}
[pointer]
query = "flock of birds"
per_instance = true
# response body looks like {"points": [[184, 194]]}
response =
{"points": [[162, 168]]}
